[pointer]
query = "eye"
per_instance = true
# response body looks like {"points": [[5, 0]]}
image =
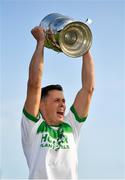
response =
{"points": [[63, 101], [57, 100]]}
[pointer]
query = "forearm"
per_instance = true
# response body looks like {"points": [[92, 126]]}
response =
{"points": [[36, 65], [88, 76]]}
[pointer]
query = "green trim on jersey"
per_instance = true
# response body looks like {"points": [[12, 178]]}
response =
{"points": [[31, 117], [79, 119], [44, 127]]}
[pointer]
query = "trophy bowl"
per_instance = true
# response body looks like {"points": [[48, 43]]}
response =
{"points": [[64, 34]]}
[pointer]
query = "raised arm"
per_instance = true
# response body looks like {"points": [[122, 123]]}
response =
{"points": [[83, 98], [35, 74]]}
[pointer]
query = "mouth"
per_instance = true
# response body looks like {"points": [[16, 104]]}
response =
{"points": [[60, 113]]}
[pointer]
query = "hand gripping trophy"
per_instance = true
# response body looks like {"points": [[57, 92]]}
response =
{"points": [[64, 34]]}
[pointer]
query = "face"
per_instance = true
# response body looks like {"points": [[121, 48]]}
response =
{"points": [[53, 106]]}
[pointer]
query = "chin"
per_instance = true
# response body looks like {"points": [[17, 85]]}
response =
{"points": [[60, 119]]}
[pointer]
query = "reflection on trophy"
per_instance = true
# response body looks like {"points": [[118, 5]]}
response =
{"points": [[63, 34]]}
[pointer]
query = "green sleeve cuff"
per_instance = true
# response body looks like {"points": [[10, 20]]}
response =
{"points": [[31, 117], [79, 119]]}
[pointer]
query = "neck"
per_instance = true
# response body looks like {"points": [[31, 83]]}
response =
{"points": [[51, 122]]}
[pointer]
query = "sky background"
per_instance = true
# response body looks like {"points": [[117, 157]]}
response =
{"points": [[102, 144]]}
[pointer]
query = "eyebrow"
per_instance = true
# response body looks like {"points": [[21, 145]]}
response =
{"points": [[60, 99]]}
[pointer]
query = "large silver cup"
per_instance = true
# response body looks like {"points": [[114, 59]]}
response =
{"points": [[63, 34]]}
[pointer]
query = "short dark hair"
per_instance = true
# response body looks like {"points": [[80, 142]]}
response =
{"points": [[48, 88]]}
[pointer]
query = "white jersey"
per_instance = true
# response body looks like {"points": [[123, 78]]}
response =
{"points": [[51, 151]]}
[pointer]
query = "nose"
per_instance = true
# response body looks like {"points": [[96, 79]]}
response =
{"points": [[62, 104]]}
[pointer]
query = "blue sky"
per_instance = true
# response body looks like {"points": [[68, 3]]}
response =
{"points": [[102, 143]]}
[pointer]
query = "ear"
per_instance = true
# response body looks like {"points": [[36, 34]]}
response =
{"points": [[42, 105]]}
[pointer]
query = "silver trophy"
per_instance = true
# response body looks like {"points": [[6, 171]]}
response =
{"points": [[64, 34]]}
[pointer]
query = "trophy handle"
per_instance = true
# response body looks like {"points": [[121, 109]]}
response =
{"points": [[88, 21]]}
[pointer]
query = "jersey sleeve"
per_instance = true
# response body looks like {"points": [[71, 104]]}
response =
{"points": [[75, 122], [29, 126]]}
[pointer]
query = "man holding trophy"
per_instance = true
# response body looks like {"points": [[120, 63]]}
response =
{"points": [[49, 137]]}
